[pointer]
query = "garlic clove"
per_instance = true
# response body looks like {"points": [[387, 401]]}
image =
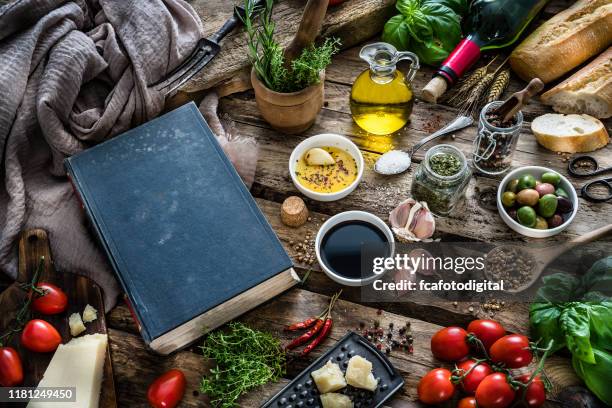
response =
{"points": [[412, 221], [319, 157]]}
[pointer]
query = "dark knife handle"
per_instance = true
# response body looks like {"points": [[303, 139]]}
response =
{"points": [[236, 19]]}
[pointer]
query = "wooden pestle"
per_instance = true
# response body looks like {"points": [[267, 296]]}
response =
{"points": [[310, 27]]}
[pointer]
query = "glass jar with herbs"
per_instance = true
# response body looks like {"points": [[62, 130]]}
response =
{"points": [[441, 179], [495, 142]]}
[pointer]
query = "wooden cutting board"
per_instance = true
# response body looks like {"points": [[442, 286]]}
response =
{"points": [[80, 290]]}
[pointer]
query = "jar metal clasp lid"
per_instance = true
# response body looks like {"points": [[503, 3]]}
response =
{"points": [[488, 152]]}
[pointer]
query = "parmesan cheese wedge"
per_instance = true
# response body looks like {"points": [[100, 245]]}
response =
{"points": [[89, 314], [328, 378], [80, 364], [334, 400], [359, 374], [76, 324]]}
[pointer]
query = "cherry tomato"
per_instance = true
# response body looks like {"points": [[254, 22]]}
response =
{"points": [[487, 331], [467, 402], [40, 336], [54, 300], [535, 395], [511, 350], [450, 344], [436, 386], [167, 390], [494, 392], [479, 372], [11, 370], [335, 2]]}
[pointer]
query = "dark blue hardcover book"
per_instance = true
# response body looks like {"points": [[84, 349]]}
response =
{"points": [[186, 239]]}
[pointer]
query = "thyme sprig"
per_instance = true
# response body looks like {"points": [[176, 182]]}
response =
{"points": [[245, 358]]}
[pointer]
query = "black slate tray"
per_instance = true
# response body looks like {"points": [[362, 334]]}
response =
{"points": [[302, 391]]}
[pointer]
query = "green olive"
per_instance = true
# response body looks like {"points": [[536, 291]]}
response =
{"points": [[547, 205], [526, 216], [526, 181], [551, 177], [541, 223], [559, 192], [508, 199], [528, 196], [512, 185]]}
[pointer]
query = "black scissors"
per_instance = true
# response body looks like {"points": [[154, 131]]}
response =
{"points": [[587, 166]]}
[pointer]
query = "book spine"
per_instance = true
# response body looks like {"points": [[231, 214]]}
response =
{"points": [[76, 191], [132, 312]]}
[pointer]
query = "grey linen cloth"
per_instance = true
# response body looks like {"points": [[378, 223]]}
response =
{"points": [[73, 74]]}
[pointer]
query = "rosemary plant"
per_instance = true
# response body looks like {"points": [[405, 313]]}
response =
{"points": [[267, 57]]}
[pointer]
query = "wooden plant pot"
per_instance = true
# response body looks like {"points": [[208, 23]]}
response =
{"points": [[289, 113]]}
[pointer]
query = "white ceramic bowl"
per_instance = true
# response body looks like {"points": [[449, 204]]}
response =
{"points": [[351, 216], [537, 172], [326, 140]]}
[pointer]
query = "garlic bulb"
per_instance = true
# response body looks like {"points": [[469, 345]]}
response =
{"points": [[412, 221]]}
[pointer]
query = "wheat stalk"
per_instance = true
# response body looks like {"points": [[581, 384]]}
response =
{"points": [[474, 99], [464, 87], [499, 86]]}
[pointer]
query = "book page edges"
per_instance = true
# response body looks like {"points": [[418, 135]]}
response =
{"points": [[190, 331]]}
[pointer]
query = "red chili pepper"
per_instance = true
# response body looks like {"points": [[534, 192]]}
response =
{"points": [[302, 325], [322, 335], [306, 336]]}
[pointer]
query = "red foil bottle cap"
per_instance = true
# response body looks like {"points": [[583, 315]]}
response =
{"points": [[465, 54]]}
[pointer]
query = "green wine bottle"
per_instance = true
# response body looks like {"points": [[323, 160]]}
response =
{"points": [[490, 24]]}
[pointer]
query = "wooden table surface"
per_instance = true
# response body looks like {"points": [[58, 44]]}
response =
{"points": [[135, 367]]}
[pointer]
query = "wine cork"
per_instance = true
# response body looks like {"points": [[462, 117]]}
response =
{"points": [[294, 212], [434, 89]]}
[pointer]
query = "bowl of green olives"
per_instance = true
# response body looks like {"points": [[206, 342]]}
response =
{"points": [[536, 202]]}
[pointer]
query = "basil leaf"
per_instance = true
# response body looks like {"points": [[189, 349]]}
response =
{"points": [[544, 320], [396, 33], [407, 7], [444, 24], [430, 54], [460, 7], [599, 277], [575, 324], [601, 324], [557, 288], [597, 376]]}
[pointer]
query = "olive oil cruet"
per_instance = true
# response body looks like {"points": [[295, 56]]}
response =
{"points": [[381, 96]]}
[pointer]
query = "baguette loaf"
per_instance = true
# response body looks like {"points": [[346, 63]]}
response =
{"points": [[569, 133], [565, 41], [587, 91]]}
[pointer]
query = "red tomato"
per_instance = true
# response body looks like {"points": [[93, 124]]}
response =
{"points": [[54, 300], [167, 390], [436, 386], [335, 2], [511, 350], [11, 370], [535, 395], [450, 344], [494, 392], [40, 336], [470, 382], [487, 331], [467, 402]]}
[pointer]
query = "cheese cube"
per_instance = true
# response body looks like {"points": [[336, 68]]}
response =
{"points": [[328, 378], [80, 364], [89, 314], [76, 324], [359, 374], [335, 400]]}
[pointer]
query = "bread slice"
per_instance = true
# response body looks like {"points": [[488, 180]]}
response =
{"points": [[587, 91], [569, 133], [565, 41]]}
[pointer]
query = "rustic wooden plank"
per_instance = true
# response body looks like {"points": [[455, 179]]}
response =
{"points": [[352, 22], [295, 305]]}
